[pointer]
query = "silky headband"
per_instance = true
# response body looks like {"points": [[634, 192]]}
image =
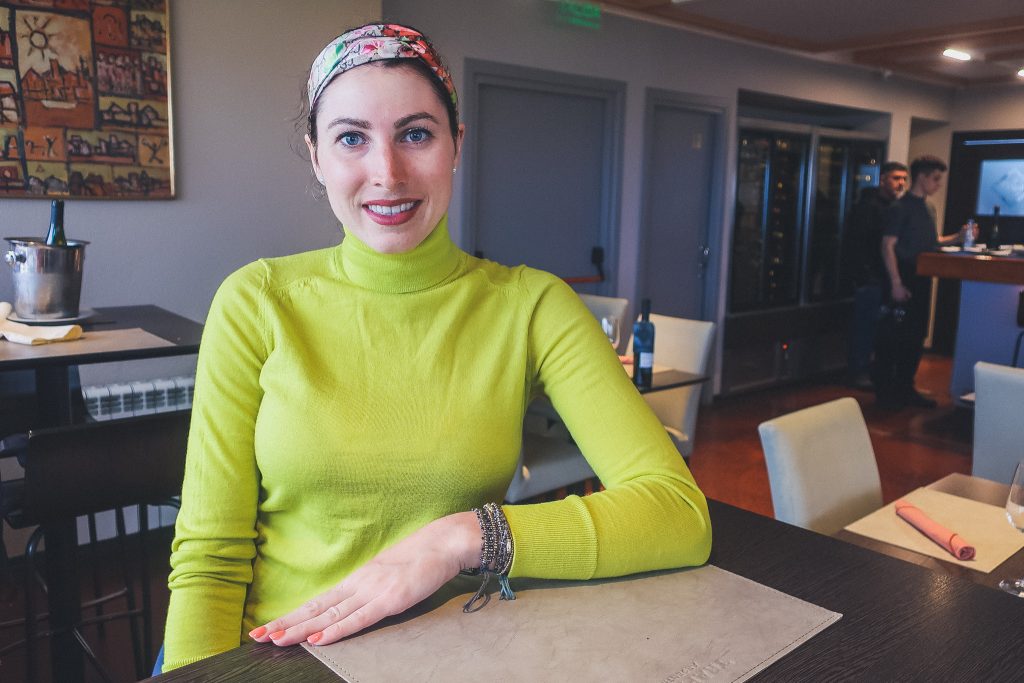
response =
{"points": [[373, 43]]}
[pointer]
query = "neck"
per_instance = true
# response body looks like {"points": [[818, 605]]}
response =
{"points": [[432, 262], [918, 191]]}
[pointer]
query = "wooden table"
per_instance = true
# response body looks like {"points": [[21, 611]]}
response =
{"points": [[900, 621], [965, 486], [60, 402]]}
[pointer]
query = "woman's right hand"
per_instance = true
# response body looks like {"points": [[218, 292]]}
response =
{"points": [[396, 578]]}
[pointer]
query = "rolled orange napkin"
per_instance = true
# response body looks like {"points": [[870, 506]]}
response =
{"points": [[952, 542]]}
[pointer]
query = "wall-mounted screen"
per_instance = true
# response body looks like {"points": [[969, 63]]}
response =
{"points": [[1001, 183]]}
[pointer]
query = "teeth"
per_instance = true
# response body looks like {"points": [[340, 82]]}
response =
{"points": [[390, 210]]}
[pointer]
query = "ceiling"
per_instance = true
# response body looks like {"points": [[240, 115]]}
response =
{"points": [[905, 37]]}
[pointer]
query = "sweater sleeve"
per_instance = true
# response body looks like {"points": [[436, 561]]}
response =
{"points": [[651, 514], [214, 543]]}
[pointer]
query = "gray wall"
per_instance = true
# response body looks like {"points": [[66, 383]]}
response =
{"points": [[238, 68], [524, 32]]}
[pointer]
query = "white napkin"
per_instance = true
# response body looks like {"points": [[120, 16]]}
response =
{"points": [[38, 334]]}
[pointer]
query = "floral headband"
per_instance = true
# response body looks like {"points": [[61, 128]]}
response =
{"points": [[373, 43]]}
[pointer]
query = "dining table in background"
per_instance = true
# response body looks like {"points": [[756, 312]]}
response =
{"points": [[59, 400], [900, 621], [964, 486]]}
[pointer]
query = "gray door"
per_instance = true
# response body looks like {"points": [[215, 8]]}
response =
{"points": [[543, 185], [682, 152]]}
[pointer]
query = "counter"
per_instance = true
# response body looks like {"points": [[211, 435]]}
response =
{"points": [[990, 293]]}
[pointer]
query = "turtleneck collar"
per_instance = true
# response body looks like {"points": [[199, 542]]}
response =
{"points": [[423, 267]]}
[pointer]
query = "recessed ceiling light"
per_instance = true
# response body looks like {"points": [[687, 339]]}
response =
{"points": [[1021, 73], [956, 54]]}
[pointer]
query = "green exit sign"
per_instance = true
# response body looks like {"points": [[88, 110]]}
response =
{"points": [[584, 14]]}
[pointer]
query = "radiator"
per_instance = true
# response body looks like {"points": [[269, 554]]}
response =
{"points": [[110, 401]]}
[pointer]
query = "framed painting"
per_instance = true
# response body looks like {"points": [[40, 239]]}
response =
{"points": [[85, 105]]}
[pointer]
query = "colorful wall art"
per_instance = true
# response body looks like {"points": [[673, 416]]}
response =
{"points": [[85, 99]]}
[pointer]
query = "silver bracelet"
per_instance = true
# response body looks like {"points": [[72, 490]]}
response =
{"points": [[497, 550]]}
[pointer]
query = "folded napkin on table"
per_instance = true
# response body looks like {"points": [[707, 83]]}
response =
{"points": [[34, 334], [949, 540]]}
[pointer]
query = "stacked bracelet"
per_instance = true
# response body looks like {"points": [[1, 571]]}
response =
{"points": [[496, 552]]}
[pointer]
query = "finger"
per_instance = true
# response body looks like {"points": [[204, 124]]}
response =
{"points": [[309, 610], [359, 619], [330, 616]]}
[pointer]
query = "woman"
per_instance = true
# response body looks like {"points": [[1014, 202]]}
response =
{"points": [[356, 405]]}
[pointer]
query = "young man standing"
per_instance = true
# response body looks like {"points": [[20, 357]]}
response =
{"points": [[862, 252], [908, 231]]}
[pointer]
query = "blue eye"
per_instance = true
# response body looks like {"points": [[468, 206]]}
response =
{"points": [[350, 139], [417, 135]]}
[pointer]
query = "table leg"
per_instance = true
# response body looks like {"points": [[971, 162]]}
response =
{"points": [[56, 389], [53, 389], [64, 600]]}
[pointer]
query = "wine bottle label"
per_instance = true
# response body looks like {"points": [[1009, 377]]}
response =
{"points": [[646, 359]]}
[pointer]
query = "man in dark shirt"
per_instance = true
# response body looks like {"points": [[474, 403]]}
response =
{"points": [[908, 230], [862, 255]]}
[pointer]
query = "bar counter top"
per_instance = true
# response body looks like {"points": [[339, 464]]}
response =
{"points": [[978, 267]]}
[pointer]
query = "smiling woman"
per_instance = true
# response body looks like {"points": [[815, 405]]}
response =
{"points": [[385, 160], [359, 410]]}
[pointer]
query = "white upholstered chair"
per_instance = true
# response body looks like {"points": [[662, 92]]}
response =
{"points": [[821, 466], [998, 421], [684, 345], [547, 463], [601, 306]]}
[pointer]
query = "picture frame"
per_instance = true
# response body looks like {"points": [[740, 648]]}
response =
{"points": [[85, 99]]}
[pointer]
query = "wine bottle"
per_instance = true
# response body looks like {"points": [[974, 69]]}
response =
{"points": [[993, 240], [643, 347], [55, 236]]}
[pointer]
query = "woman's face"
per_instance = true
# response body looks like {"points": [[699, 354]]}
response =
{"points": [[385, 154]]}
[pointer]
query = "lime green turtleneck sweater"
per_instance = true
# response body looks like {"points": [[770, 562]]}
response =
{"points": [[345, 398]]}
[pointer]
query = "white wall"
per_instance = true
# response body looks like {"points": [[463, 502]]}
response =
{"points": [[238, 68]]}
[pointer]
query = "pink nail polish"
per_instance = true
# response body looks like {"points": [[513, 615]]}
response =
{"points": [[258, 632], [276, 634], [315, 638]]}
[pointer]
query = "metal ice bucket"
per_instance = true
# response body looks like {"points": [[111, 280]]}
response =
{"points": [[47, 279]]}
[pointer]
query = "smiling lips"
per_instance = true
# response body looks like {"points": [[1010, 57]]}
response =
{"points": [[392, 212]]}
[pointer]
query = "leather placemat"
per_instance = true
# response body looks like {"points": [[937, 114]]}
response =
{"points": [[702, 624], [982, 525]]}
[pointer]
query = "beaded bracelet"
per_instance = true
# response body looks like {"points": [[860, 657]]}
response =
{"points": [[497, 550]]}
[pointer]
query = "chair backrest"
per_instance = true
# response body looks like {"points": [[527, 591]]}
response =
{"points": [[86, 468], [998, 427], [601, 306], [685, 345], [821, 466]]}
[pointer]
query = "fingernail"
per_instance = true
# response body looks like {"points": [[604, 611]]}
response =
{"points": [[258, 632], [315, 638], [276, 634]]}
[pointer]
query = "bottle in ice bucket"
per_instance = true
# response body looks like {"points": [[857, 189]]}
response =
{"points": [[643, 346], [55, 235]]}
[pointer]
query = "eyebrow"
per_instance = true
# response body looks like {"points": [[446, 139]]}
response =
{"points": [[400, 123]]}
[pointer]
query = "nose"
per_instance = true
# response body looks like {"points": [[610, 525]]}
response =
{"points": [[388, 170]]}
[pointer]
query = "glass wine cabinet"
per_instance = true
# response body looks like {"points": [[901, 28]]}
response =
{"points": [[788, 299]]}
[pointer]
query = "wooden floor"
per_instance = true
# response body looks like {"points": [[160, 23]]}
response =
{"points": [[914, 447]]}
